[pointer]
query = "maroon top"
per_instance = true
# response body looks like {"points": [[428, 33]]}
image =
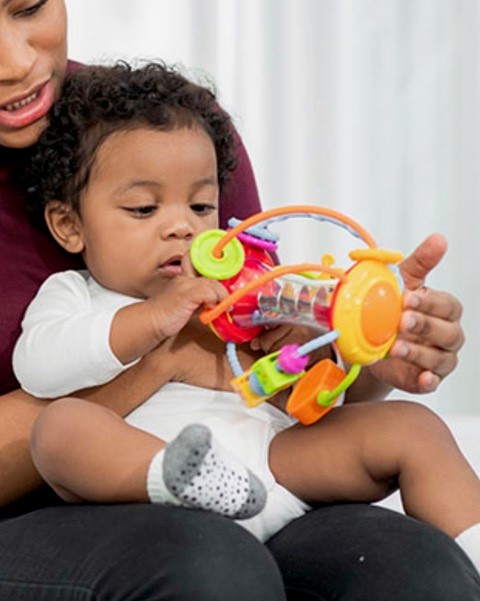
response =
{"points": [[29, 255]]}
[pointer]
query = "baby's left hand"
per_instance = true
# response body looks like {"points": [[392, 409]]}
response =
{"points": [[273, 338], [430, 337]]}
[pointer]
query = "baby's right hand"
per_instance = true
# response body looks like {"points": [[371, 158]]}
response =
{"points": [[179, 298]]}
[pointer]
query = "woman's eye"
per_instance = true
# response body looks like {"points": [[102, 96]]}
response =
{"points": [[144, 211], [31, 10]]}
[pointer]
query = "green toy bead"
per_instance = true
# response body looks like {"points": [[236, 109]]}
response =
{"points": [[270, 378], [227, 266]]}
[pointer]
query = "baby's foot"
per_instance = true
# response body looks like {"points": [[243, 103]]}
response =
{"points": [[200, 473]]}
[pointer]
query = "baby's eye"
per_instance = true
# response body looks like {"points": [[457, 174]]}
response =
{"points": [[31, 10], [145, 211], [202, 208]]}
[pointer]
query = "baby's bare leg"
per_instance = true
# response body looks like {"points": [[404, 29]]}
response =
{"points": [[363, 452], [87, 452]]}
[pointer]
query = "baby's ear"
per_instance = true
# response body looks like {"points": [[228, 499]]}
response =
{"points": [[65, 226]]}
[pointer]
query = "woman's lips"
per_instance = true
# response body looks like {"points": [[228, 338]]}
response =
{"points": [[25, 111]]}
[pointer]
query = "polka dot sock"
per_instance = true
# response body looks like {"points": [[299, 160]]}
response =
{"points": [[193, 470]]}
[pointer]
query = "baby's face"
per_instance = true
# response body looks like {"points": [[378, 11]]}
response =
{"points": [[149, 194]]}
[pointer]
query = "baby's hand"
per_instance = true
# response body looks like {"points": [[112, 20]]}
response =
{"points": [[179, 298], [273, 338]]}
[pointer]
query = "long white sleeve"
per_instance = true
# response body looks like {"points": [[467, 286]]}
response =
{"points": [[64, 345]]}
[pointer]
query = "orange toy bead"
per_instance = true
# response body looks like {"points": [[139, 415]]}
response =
{"points": [[302, 403]]}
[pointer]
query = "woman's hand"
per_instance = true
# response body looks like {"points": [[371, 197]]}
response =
{"points": [[430, 336]]}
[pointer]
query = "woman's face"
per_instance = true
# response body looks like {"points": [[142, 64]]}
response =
{"points": [[33, 55]]}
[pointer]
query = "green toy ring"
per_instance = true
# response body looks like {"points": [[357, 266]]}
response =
{"points": [[223, 268]]}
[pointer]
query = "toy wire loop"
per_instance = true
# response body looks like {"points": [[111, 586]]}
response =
{"points": [[305, 210]]}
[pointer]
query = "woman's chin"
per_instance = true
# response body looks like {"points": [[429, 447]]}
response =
{"points": [[24, 137]]}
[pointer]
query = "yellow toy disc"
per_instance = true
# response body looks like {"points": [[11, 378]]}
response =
{"points": [[366, 312]]}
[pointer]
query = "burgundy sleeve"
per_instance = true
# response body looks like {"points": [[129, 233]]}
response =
{"points": [[240, 196]]}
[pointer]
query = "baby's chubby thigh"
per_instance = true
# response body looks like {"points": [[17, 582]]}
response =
{"points": [[355, 453]]}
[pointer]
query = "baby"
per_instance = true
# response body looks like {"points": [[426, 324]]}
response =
{"points": [[127, 174]]}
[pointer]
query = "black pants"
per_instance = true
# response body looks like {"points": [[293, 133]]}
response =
{"points": [[153, 553]]}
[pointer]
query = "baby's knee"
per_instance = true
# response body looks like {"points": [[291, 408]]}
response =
{"points": [[414, 425], [54, 429], [403, 434]]}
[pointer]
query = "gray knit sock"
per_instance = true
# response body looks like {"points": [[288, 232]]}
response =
{"points": [[197, 472]]}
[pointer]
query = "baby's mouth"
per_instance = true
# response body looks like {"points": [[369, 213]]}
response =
{"points": [[173, 266]]}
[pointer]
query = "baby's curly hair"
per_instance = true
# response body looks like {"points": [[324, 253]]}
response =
{"points": [[99, 100]]}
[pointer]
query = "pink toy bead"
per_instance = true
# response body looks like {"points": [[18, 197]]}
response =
{"points": [[288, 360], [258, 242]]}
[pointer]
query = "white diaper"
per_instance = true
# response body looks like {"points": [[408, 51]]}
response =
{"points": [[245, 432]]}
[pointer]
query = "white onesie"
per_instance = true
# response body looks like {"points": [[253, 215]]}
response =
{"points": [[65, 347]]}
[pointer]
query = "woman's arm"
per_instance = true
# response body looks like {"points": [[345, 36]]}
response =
{"points": [[135, 385], [18, 475]]}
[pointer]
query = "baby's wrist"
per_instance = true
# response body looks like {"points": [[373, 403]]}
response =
{"points": [[158, 320]]}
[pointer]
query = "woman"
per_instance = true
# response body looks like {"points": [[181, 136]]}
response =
{"points": [[146, 552]]}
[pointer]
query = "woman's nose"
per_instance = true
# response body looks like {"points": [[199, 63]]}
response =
{"points": [[17, 56]]}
